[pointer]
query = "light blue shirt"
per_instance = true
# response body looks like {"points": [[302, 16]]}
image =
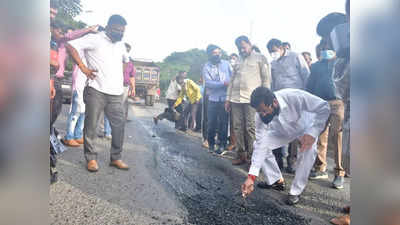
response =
{"points": [[215, 76]]}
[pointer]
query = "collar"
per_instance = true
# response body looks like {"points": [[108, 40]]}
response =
{"points": [[286, 54], [103, 33]]}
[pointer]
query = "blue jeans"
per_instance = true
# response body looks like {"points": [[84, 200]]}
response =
{"points": [[75, 120], [217, 122], [107, 127]]}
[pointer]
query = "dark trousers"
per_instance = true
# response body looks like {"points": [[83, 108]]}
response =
{"points": [[204, 122], [168, 114], [96, 102], [56, 103], [217, 122]]}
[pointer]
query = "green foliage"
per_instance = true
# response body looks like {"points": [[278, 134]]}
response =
{"points": [[71, 8], [191, 61]]}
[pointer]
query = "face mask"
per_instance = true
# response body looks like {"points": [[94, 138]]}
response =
{"points": [[215, 59], [328, 54], [115, 36], [275, 55], [268, 118]]}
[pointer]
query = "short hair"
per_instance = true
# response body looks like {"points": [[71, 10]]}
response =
{"points": [[262, 95], [306, 53], [240, 39], [116, 19], [273, 42], [234, 54], [127, 45], [328, 22], [181, 72], [286, 43], [256, 49], [180, 77]]}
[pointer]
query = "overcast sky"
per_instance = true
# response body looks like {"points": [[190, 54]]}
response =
{"points": [[156, 28]]}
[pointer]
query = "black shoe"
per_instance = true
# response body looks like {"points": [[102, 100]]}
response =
{"points": [[218, 152], [338, 182], [318, 175], [293, 199], [290, 170], [276, 186]]}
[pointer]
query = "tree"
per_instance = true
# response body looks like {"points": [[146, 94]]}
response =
{"points": [[70, 8]]}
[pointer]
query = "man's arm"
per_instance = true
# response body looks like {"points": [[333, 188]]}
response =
{"points": [[260, 147], [312, 79], [179, 100], [265, 72], [208, 80], [75, 56], [79, 33], [304, 71]]}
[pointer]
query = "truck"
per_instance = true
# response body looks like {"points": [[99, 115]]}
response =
{"points": [[147, 80]]}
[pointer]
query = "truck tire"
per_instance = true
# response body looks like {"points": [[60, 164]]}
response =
{"points": [[149, 100]]}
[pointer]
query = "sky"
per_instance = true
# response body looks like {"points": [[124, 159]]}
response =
{"points": [[156, 28]]}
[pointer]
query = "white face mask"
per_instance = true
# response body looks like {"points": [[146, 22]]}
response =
{"points": [[275, 55]]}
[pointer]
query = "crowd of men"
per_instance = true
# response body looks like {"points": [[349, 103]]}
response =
{"points": [[266, 112]]}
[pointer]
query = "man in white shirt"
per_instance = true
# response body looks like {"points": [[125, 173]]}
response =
{"points": [[105, 54], [282, 117]]}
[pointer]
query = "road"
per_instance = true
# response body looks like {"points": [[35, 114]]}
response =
{"points": [[173, 180]]}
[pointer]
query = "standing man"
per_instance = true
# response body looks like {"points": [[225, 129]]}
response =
{"points": [[216, 73], [283, 116], [321, 84], [104, 54], [252, 71], [191, 91], [288, 70]]}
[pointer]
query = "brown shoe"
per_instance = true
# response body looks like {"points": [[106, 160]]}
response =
{"points": [[119, 164], [71, 143], [231, 147], [92, 166], [341, 220], [79, 141]]}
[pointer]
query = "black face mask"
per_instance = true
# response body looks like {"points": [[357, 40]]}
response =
{"points": [[215, 59], [268, 118], [115, 36]]}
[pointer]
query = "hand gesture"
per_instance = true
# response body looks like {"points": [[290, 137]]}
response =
{"points": [[94, 28], [91, 74], [247, 187], [306, 142]]}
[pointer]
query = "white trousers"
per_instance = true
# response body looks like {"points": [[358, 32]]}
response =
{"points": [[304, 164]]}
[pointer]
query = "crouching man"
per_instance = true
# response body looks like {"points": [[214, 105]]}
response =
{"points": [[282, 117]]}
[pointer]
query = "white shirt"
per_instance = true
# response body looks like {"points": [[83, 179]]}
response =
{"points": [[173, 90], [300, 113], [105, 57]]}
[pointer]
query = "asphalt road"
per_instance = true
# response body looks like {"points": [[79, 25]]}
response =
{"points": [[173, 180]]}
